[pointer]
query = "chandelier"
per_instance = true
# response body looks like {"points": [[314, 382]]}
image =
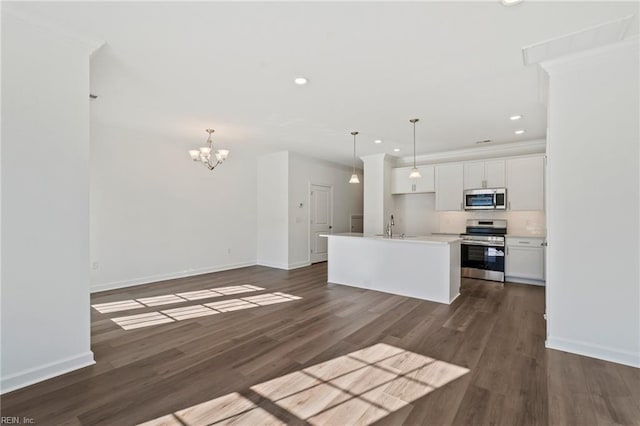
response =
{"points": [[206, 157]]}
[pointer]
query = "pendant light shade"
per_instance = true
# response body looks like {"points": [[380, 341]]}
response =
{"points": [[354, 176], [415, 173]]}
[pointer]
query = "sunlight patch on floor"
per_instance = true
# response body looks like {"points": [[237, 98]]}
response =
{"points": [[194, 311], [167, 299], [142, 320], [361, 388]]}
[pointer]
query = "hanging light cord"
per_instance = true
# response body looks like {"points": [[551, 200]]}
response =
{"points": [[414, 144], [414, 121]]}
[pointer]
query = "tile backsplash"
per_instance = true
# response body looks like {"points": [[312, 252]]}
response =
{"points": [[519, 222]]}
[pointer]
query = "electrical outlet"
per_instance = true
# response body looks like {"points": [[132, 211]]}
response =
{"points": [[95, 265], [228, 250]]}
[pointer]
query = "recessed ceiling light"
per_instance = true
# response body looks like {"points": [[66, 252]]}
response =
{"points": [[515, 117], [396, 149], [519, 132], [510, 2], [377, 141], [300, 81]]}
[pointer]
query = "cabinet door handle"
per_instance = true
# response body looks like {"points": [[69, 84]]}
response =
{"points": [[509, 204], [524, 242], [507, 250]]}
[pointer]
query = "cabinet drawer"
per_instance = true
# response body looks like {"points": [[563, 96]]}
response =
{"points": [[525, 241]]}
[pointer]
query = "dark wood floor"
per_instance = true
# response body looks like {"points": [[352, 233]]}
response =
{"points": [[496, 332]]}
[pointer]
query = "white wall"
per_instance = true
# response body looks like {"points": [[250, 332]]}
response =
{"points": [[415, 214], [45, 203], [347, 200], [593, 282], [273, 214], [155, 214], [521, 223]]}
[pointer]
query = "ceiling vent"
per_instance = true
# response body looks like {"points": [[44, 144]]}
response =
{"points": [[579, 41]]}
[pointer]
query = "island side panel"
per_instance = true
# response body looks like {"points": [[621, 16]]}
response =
{"points": [[408, 269], [455, 272]]}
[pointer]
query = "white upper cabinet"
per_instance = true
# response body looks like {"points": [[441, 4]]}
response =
{"points": [[525, 183], [474, 175], [484, 174], [495, 174], [427, 182], [402, 184], [449, 187]]}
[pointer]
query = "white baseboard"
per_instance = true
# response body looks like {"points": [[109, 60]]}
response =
{"points": [[44, 372], [270, 264], [299, 265], [284, 266], [162, 277], [594, 351], [524, 281]]}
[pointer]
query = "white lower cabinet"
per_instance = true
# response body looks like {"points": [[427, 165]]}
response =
{"points": [[524, 262]]}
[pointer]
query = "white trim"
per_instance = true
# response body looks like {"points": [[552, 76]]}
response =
{"points": [[47, 371], [594, 351], [569, 39], [528, 281], [298, 265], [162, 277], [536, 146], [47, 27], [286, 267], [272, 264], [578, 60]]}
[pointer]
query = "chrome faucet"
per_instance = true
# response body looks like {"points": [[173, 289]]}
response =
{"points": [[390, 227]]}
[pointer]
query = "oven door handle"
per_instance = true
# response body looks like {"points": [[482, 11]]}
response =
{"points": [[479, 243]]}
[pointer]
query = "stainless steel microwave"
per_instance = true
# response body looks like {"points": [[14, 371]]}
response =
{"points": [[485, 199]]}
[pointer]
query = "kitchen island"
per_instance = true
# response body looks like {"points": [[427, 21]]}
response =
{"points": [[422, 267]]}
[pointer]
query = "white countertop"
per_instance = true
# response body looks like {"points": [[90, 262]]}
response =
{"points": [[526, 235], [432, 239]]}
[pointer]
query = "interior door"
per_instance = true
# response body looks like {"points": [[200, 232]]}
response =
{"points": [[321, 218]]}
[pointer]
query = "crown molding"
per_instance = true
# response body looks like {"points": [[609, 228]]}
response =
{"points": [[47, 27], [597, 55], [578, 41], [537, 146], [381, 156]]}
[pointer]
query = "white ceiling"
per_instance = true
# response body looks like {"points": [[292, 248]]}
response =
{"points": [[176, 68]]}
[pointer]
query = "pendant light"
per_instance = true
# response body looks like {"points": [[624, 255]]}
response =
{"points": [[415, 173], [354, 176]]}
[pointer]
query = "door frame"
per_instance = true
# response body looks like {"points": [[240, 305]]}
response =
{"points": [[309, 186]]}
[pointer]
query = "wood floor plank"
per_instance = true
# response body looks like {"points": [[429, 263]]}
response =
{"points": [[488, 360]]}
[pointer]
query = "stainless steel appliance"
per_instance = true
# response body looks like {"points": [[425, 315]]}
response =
{"points": [[485, 199], [483, 248]]}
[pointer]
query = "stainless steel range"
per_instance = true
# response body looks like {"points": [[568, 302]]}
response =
{"points": [[483, 249]]}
